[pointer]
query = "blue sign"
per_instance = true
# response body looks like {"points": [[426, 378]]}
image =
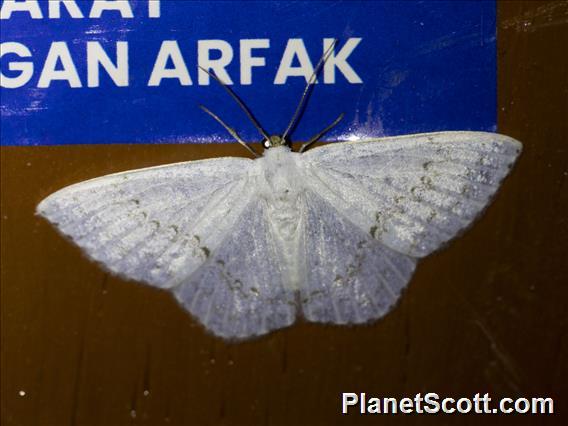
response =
{"points": [[119, 71]]}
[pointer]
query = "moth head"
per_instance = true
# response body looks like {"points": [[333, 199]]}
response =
{"points": [[274, 141]]}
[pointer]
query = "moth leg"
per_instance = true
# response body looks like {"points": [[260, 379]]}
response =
{"points": [[229, 129], [320, 134]]}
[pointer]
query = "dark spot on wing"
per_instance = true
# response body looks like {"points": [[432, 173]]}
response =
{"points": [[373, 231]]}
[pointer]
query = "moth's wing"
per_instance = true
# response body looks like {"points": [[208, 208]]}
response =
{"points": [[351, 277], [374, 207], [195, 228], [240, 291], [412, 193], [155, 224]]}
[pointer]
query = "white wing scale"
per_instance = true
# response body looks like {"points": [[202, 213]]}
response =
{"points": [[413, 193], [193, 228], [352, 278], [240, 291], [154, 224]]}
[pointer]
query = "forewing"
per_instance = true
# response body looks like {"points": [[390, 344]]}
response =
{"points": [[156, 224], [413, 193], [240, 291], [352, 277]]}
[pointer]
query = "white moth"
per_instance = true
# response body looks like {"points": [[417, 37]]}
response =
{"points": [[332, 234]]}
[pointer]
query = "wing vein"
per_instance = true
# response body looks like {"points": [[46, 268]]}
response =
{"points": [[210, 207], [399, 218]]}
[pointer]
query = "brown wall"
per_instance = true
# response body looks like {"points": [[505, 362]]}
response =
{"points": [[488, 314]]}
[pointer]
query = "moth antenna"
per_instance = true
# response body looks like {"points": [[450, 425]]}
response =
{"points": [[230, 130], [238, 101], [309, 84], [320, 134]]}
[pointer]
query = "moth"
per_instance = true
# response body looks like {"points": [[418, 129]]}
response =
{"points": [[332, 234]]}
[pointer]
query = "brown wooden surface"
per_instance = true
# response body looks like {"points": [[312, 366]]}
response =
{"points": [[488, 314]]}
